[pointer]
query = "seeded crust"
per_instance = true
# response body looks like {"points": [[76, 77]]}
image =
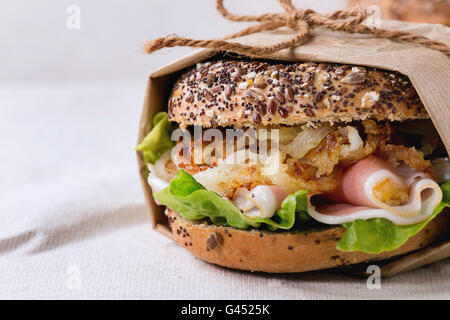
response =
{"points": [[285, 252], [246, 94]]}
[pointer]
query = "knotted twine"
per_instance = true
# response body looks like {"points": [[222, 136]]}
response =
{"points": [[302, 21]]}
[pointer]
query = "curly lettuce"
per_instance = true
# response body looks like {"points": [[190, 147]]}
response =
{"points": [[378, 235], [192, 201], [157, 141]]}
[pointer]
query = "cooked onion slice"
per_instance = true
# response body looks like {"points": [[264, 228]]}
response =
{"points": [[354, 139], [306, 140]]}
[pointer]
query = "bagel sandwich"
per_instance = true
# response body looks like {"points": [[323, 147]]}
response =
{"points": [[290, 167]]}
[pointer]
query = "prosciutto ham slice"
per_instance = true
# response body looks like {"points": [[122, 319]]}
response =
{"points": [[356, 197], [260, 202]]}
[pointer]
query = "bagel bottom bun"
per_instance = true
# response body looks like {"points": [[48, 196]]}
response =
{"points": [[284, 252]]}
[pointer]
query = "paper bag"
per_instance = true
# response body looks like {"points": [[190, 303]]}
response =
{"points": [[428, 70]]}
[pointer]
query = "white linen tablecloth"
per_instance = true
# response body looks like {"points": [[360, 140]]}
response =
{"points": [[73, 222]]}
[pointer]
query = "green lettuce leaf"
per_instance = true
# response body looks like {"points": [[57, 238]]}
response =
{"points": [[378, 235], [192, 201], [157, 141]]}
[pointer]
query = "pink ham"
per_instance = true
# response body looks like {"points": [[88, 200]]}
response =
{"points": [[260, 202], [354, 198], [340, 209], [351, 189]]}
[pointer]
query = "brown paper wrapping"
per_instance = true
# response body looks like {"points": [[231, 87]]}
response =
{"points": [[428, 70]]}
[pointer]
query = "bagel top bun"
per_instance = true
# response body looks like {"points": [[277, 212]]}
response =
{"points": [[247, 94]]}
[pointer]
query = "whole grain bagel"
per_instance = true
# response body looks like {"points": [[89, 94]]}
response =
{"points": [[284, 252], [242, 93]]}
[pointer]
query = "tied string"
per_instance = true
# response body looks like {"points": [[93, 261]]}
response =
{"points": [[302, 21]]}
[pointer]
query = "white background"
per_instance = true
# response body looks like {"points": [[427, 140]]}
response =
{"points": [[73, 223], [36, 45]]}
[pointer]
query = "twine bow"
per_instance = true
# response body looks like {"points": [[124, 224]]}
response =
{"points": [[302, 21]]}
